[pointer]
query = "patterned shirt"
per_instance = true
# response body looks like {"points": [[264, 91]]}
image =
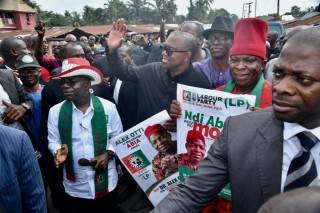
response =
{"points": [[217, 78]]}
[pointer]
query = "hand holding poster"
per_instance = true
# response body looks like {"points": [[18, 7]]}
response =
{"points": [[148, 151], [203, 115]]}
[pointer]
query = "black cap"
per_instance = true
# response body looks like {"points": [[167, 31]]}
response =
{"points": [[26, 60], [220, 25]]}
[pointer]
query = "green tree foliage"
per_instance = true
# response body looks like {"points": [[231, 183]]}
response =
{"points": [[88, 16], [198, 9], [220, 12], [134, 11], [166, 9], [115, 9], [297, 12], [140, 11]]}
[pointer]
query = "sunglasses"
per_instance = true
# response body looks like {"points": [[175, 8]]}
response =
{"points": [[169, 51]]}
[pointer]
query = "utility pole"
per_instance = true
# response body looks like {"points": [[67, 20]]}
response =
{"points": [[249, 11], [278, 8], [243, 10], [255, 8]]}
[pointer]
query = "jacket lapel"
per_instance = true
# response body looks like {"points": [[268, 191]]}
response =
{"points": [[8, 86], [269, 144]]}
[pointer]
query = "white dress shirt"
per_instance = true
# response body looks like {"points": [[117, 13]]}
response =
{"points": [[82, 147], [292, 146]]}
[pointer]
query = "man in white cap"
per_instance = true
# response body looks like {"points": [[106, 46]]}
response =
{"points": [[79, 130]]}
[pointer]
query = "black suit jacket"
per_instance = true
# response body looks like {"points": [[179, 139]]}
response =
{"points": [[14, 88], [248, 154]]}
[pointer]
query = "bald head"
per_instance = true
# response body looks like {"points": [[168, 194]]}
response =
{"points": [[305, 200], [308, 37], [189, 42], [71, 38], [193, 27], [291, 32], [11, 48], [72, 49]]}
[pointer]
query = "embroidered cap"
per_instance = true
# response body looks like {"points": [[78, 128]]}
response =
{"points": [[26, 60], [80, 67]]}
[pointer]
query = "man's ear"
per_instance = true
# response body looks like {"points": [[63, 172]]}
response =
{"points": [[13, 52], [189, 57]]}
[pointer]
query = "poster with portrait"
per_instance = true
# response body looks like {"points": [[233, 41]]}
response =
{"points": [[148, 152], [204, 112]]}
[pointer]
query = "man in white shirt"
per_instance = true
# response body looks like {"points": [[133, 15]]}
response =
{"points": [[79, 130], [266, 152]]}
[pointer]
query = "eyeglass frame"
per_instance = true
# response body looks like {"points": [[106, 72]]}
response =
{"points": [[169, 50]]}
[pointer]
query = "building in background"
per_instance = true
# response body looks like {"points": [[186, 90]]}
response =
{"points": [[16, 15]]}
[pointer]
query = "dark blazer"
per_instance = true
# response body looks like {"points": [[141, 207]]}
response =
{"points": [[14, 88], [21, 186], [156, 88], [248, 154]]}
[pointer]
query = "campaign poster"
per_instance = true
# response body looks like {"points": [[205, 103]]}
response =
{"points": [[148, 152], [204, 112]]}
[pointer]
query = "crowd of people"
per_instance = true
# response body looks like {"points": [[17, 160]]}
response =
{"points": [[60, 110]]}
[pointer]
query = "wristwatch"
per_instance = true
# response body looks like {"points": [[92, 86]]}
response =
{"points": [[26, 106]]}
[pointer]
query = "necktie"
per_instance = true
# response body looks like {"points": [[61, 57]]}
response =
{"points": [[302, 170]]}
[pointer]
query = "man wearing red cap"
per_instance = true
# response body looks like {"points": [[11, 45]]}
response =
{"points": [[79, 130], [165, 162], [196, 150], [247, 57]]}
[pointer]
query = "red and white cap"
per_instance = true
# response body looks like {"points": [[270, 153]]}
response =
{"points": [[80, 67]]}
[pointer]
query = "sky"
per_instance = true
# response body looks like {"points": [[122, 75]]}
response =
{"points": [[232, 6]]}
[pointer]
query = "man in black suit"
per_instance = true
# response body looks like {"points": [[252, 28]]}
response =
{"points": [[14, 102], [266, 152]]}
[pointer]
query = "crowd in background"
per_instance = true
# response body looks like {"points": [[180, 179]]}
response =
{"points": [[131, 78]]}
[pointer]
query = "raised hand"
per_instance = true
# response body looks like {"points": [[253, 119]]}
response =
{"points": [[116, 35], [40, 28]]}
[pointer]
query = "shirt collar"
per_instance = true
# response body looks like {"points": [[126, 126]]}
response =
{"points": [[8, 67], [181, 75], [90, 108], [292, 129]]}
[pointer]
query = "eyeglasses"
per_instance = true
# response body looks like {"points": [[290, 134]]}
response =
{"points": [[169, 51]]}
